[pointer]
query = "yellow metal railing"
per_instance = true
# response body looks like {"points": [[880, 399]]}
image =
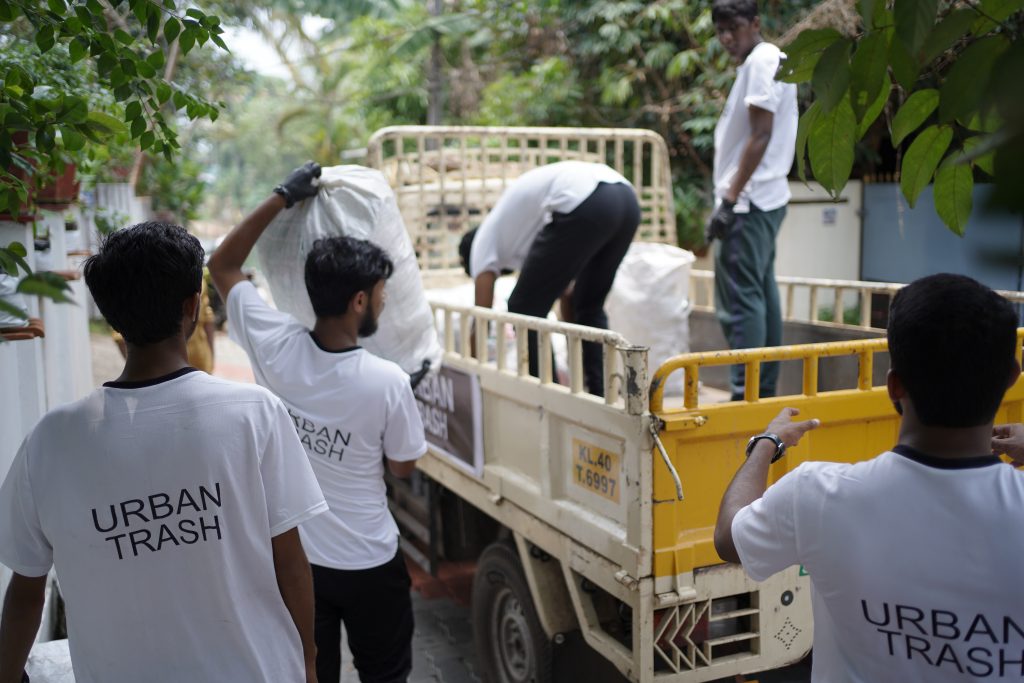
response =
{"points": [[751, 359]]}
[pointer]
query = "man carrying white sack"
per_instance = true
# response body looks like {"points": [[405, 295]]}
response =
{"points": [[353, 412], [566, 228]]}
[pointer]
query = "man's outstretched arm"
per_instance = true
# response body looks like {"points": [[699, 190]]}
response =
{"points": [[226, 263], [751, 481], [23, 610]]}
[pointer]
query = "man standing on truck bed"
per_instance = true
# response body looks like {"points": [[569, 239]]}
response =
{"points": [[755, 141], [566, 228], [354, 412], [915, 556], [167, 500]]}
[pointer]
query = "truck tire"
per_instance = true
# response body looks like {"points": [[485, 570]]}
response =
{"points": [[507, 634]]}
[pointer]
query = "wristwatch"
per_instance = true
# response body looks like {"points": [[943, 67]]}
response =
{"points": [[780, 447]]}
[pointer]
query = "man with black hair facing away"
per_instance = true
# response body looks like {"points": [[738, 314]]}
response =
{"points": [[754, 146], [916, 555], [566, 228], [167, 500], [353, 412]]}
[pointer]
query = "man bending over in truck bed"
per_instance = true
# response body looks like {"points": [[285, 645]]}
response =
{"points": [[915, 556], [565, 222], [353, 412], [167, 500]]}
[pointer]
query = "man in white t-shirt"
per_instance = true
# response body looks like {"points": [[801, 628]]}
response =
{"points": [[916, 555], [566, 228], [354, 413], [167, 501], [754, 146]]}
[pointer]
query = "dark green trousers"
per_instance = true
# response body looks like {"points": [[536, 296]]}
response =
{"points": [[746, 296]]}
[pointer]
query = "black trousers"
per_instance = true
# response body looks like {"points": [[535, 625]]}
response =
{"points": [[586, 246], [375, 606]]}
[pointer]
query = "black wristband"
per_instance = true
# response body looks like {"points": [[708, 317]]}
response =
{"points": [[283, 191], [780, 447]]}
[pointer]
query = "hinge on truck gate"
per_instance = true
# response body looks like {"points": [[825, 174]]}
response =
{"points": [[656, 425]]}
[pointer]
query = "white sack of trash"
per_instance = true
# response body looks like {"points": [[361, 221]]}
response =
{"points": [[357, 202]]}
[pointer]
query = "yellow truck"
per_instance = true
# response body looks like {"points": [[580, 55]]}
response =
{"points": [[592, 517]]}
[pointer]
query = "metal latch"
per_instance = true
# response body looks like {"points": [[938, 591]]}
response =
{"points": [[655, 426]]}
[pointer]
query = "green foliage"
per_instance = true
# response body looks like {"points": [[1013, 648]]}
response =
{"points": [[50, 285], [75, 75], [176, 187], [952, 70]]}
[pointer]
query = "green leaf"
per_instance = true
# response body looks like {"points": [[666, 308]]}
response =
{"points": [[187, 40], [138, 127], [72, 139], [180, 99], [956, 24], [50, 285], [904, 67], [78, 49], [145, 69], [123, 37], [803, 130], [966, 82], [122, 93], [146, 140], [18, 249], [45, 38], [913, 113], [867, 13], [163, 92], [868, 72], [995, 11], [874, 110], [832, 75], [986, 162], [171, 29], [954, 187], [156, 60], [105, 123], [803, 53], [74, 110], [831, 145], [153, 25], [921, 160], [132, 110], [194, 13], [219, 42], [11, 309], [57, 6], [914, 21], [7, 264]]}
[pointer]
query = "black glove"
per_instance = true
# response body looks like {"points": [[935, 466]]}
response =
{"points": [[721, 221], [417, 377], [299, 184]]}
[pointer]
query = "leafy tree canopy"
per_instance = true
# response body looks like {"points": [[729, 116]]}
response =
{"points": [[947, 70]]}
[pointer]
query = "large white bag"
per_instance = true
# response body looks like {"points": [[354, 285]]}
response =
{"points": [[650, 300], [357, 202]]}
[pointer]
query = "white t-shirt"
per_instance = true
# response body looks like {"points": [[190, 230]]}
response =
{"points": [[350, 409], [157, 505], [915, 568], [755, 86], [506, 234]]}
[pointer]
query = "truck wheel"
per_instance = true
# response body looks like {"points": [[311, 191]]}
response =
{"points": [[509, 640]]}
